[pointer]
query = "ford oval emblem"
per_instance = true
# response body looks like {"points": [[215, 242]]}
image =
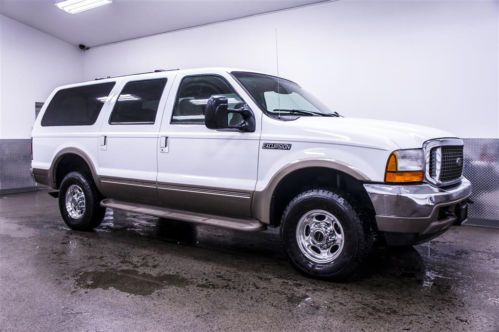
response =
{"points": [[459, 161]]}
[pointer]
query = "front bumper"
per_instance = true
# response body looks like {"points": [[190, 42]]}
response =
{"points": [[420, 210]]}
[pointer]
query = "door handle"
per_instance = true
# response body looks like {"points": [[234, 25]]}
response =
{"points": [[163, 144], [103, 143]]}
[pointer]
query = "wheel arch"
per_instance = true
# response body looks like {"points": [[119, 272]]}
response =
{"points": [[74, 155], [298, 176]]}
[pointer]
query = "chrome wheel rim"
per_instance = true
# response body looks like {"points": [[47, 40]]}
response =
{"points": [[75, 201], [320, 236]]}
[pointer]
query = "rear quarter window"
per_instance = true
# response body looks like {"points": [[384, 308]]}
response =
{"points": [[78, 106]]}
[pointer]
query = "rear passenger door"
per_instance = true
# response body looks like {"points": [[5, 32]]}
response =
{"points": [[129, 138]]}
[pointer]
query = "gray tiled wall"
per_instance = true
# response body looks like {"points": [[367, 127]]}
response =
{"points": [[15, 162], [482, 169]]}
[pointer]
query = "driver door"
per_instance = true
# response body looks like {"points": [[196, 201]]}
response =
{"points": [[200, 169]]}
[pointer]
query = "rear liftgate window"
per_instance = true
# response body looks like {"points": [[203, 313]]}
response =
{"points": [[79, 106], [138, 102]]}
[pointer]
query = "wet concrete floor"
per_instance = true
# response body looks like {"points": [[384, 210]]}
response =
{"points": [[140, 273]]}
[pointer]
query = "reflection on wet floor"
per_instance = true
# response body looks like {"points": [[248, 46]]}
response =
{"points": [[185, 233], [147, 226], [129, 281], [404, 262], [141, 272], [393, 265]]}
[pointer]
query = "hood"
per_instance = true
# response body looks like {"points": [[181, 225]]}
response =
{"points": [[387, 135]]}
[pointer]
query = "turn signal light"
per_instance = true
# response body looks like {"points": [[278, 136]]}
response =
{"points": [[392, 163], [404, 177]]}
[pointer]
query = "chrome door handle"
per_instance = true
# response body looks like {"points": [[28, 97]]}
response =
{"points": [[163, 144]]}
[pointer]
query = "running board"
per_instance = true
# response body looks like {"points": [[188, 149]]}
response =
{"points": [[247, 225]]}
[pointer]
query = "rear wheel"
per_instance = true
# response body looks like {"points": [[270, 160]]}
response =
{"points": [[324, 236], [79, 202]]}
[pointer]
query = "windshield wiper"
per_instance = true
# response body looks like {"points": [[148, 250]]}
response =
{"points": [[302, 112]]}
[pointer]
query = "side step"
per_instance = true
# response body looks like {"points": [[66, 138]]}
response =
{"points": [[247, 225]]}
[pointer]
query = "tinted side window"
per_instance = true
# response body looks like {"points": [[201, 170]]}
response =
{"points": [[79, 106], [193, 94], [138, 102]]}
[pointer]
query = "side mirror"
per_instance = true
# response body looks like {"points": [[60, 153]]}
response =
{"points": [[217, 115]]}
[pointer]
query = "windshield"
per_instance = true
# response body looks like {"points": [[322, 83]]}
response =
{"points": [[281, 97]]}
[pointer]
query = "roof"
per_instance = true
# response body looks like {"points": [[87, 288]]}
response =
{"points": [[161, 73]]}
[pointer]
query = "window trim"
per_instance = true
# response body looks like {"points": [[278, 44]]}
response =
{"points": [[178, 90], [76, 87], [137, 123]]}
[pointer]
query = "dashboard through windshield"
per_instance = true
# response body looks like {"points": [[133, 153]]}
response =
{"points": [[280, 97]]}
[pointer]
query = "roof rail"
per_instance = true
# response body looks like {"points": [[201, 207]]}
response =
{"points": [[147, 72]]}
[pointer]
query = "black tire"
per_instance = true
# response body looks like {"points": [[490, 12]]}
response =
{"points": [[92, 214], [357, 234]]}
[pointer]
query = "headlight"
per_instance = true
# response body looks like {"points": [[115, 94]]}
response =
{"points": [[405, 166]]}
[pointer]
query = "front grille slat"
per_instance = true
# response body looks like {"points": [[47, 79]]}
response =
{"points": [[450, 166]]}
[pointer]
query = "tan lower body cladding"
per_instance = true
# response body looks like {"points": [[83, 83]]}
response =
{"points": [[212, 201]]}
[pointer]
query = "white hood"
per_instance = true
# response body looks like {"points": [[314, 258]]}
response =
{"points": [[386, 135]]}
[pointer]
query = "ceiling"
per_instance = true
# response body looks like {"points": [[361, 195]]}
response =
{"points": [[127, 19]]}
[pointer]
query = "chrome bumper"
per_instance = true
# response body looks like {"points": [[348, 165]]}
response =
{"points": [[418, 209]]}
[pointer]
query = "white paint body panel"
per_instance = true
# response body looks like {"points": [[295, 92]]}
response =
{"points": [[363, 145], [200, 157], [130, 150], [49, 141]]}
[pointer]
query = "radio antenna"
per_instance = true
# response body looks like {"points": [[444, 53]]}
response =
{"points": [[278, 77]]}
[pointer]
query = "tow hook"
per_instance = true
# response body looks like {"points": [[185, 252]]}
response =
{"points": [[461, 212]]}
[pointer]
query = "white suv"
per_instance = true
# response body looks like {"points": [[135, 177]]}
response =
{"points": [[245, 150]]}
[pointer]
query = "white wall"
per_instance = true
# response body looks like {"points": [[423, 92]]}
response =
{"points": [[32, 63], [426, 62]]}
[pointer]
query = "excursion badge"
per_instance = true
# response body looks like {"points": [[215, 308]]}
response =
{"points": [[276, 146]]}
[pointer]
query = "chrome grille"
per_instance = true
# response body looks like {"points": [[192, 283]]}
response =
{"points": [[452, 163], [445, 163]]}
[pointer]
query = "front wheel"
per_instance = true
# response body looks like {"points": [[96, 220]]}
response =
{"points": [[324, 236], [79, 202]]}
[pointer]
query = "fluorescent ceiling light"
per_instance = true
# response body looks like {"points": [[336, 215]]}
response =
{"points": [[77, 6]]}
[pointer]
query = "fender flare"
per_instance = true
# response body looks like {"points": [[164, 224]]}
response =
{"points": [[262, 200], [60, 155]]}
